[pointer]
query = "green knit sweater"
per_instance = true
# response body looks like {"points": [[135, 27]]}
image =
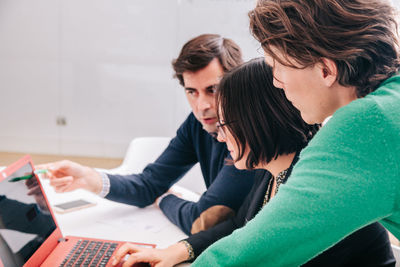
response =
{"points": [[347, 177]]}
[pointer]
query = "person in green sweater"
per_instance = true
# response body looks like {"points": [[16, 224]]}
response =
{"points": [[262, 130], [337, 62]]}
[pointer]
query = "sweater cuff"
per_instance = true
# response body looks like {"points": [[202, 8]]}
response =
{"points": [[160, 198], [106, 185]]}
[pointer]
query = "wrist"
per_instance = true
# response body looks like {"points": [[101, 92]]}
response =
{"points": [[94, 181], [180, 252]]}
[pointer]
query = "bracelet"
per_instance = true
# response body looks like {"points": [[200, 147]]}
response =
{"points": [[189, 249]]}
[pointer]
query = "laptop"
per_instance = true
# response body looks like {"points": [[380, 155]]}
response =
{"points": [[29, 234]]}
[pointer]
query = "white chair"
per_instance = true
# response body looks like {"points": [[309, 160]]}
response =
{"points": [[141, 151], [144, 150]]}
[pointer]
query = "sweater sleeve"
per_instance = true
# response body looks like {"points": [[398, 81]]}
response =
{"points": [[221, 201], [142, 189], [251, 205], [345, 179], [201, 240]]}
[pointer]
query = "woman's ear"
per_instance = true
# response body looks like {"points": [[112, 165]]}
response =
{"points": [[328, 71]]}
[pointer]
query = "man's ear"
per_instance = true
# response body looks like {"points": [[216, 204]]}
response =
{"points": [[328, 71]]}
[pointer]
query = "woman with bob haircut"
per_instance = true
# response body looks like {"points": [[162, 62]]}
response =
{"points": [[338, 62], [263, 130]]}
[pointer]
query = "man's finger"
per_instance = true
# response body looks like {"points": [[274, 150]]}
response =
{"points": [[61, 189], [56, 167], [61, 181]]}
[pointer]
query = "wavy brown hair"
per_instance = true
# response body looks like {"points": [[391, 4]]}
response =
{"points": [[198, 52], [360, 36], [259, 115]]}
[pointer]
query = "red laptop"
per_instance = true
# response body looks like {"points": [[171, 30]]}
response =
{"points": [[29, 234]]}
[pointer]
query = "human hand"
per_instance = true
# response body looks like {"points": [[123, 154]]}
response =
{"points": [[155, 257], [66, 176]]}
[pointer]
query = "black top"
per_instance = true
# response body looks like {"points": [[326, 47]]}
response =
{"points": [[369, 246]]}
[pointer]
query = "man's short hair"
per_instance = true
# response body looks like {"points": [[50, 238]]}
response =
{"points": [[198, 52], [359, 36]]}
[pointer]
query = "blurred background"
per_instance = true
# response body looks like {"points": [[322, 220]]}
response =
{"points": [[84, 77]]}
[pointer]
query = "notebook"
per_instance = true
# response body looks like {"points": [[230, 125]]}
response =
{"points": [[29, 234]]}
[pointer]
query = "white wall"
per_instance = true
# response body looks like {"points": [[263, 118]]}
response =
{"points": [[104, 65], [396, 3]]}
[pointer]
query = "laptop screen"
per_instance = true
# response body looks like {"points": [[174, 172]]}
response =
{"points": [[25, 219]]}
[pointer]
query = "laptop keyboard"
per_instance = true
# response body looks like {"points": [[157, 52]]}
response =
{"points": [[89, 253]]}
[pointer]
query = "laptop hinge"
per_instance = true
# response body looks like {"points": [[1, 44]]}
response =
{"points": [[62, 239]]}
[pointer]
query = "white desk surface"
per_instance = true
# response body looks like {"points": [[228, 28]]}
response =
{"points": [[115, 221]]}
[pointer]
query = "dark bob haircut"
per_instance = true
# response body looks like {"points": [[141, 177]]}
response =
{"points": [[198, 52], [258, 114]]}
